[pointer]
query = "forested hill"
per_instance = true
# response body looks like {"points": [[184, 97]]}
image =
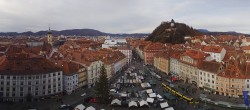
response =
{"points": [[171, 32]]}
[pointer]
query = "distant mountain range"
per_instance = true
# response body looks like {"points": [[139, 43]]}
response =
{"points": [[183, 29], [205, 31], [71, 32]]}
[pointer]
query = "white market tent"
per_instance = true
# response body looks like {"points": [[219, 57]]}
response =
{"points": [[149, 91], [134, 80], [145, 85], [159, 96], [150, 100], [170, 108], [131, 81], [90, 108], [112, 90], [116, 102], [132, 103], [164, 104], [141, 81], [152, 95], [123, 95], [143, 102], [80, 107], [141, 77]]}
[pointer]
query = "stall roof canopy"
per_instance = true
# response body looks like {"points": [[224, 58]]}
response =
{"points": [[170, 108], [132, 103], [145, 85], [143, 102], [159, 96], [150, 100], [80, 107], [116, 101], [164, 104], [152, 95], [149, 91], [123, 95], [90, 108]]}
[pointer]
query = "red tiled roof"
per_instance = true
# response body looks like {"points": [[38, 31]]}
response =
{"points": [[214, 49], [176, 54], [238, 67], [162, 54], [22, 64], [69, 68], [210, 66], [154, 46], [245, 48], [195, 54]]}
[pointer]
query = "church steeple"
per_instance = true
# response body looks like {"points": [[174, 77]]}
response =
{"points": [[49, 37], [49, 32]]}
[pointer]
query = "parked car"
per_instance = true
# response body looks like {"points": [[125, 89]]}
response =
{"points": [[83, 94], [90, 99], [65, 107]]}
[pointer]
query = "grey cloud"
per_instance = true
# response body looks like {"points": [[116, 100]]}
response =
{"points": [[122, 16]]}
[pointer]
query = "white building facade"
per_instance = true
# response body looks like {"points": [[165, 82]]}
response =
{"points": [[216, 52], [247, 84], [174, 66], [93, 72], [17, 87], [207, 80], [128, 53], [114, 43], [70, 83]]}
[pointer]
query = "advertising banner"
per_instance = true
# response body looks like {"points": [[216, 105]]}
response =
{"points": [[245, 95]]}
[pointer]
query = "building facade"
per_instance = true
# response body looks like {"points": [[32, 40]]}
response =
{"points": [[207, 74], [25, 79], [216, 52], [127, 52], [161, 61], [189, 63], [150, 50], [93, 72]]}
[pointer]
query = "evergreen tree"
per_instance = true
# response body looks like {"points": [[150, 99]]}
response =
{"points": [[102, 88]]}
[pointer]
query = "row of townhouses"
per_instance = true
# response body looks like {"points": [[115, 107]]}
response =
{"points": [[211, 63]]}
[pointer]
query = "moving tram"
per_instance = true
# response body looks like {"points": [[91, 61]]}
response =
{"points": [[176, 93]]}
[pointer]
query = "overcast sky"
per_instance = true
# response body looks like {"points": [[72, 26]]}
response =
{"points": [[123, 16]]}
